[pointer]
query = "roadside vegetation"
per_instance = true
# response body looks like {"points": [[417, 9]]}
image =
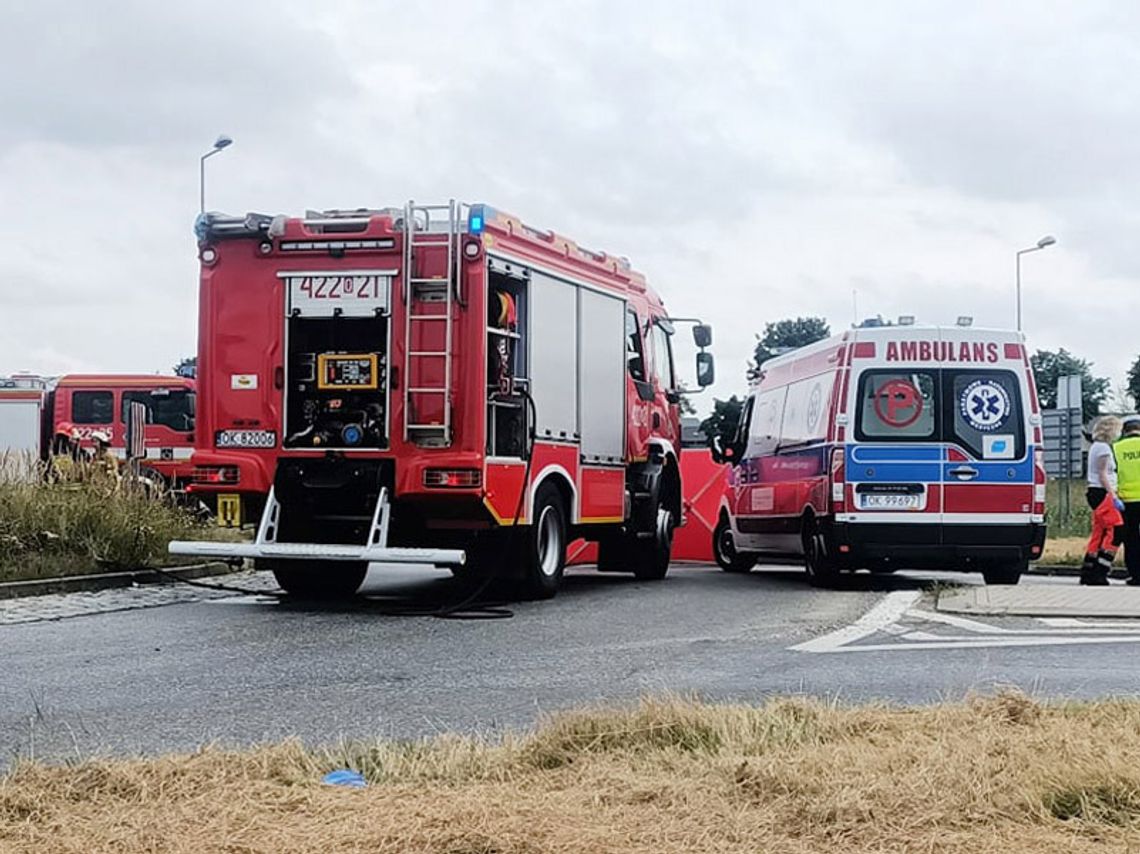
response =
{"points": [[998, 774], [83, 524]]}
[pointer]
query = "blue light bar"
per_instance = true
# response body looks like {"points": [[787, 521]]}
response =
{"points": [[476, 220]]}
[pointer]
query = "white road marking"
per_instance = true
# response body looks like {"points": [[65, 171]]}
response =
{"points": [[887, 616], [986, 643], [885, 613], [957, 622], [1070, 623]]}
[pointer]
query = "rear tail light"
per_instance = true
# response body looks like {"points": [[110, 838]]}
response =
{"points": [[453, 478], [1039, 480], [838, 481], [221, 475]]}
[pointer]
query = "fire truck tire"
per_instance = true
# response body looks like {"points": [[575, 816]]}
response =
{"points": [[543, 554], [1005, 573], [724, 549], [316, 579], [821, 565], [650, 556]]}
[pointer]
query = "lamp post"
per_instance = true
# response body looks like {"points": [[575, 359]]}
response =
{"points": [[221, 142], [1047, 240]]}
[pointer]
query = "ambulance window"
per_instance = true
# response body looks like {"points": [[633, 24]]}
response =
{"points": [[92, 407], [634, 354], [897, 406], [805, 415], [662, 355], [987, 413], [764, 432]]}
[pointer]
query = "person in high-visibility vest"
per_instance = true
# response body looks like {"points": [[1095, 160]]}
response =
{"points": [[1127, 453]]}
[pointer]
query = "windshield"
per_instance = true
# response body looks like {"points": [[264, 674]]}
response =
{"points": [[173, 408]]}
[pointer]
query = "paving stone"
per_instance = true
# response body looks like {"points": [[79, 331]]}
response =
{"points": [[61, 606], [1043, 600]]}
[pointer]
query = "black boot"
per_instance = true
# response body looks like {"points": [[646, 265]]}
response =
{"points": [[1090, 571], [1104, 561]]}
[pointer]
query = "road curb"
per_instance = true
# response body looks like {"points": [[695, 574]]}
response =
{"points": [[1070, 570], [109, 580]]}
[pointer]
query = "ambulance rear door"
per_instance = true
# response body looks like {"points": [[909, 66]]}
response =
{"points": [[893, 467], [988, 467]]}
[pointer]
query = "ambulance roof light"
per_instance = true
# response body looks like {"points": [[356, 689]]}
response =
{"points": [[906, 320], [964, 320]]}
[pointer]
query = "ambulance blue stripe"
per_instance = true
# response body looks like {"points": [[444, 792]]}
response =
{"points": [[893, 453], [927, 464]]}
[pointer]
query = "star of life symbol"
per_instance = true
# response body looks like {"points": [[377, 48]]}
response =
{"points": [[815, 407], [985, 405]]}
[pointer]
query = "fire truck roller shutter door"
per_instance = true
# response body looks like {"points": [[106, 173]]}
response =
{"points": [[554, 354], [601, 394]]}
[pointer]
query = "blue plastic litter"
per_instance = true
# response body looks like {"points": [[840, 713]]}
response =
{"points": [[1118, 504], [344, 777]]}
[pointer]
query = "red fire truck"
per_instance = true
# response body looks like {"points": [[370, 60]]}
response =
{"points": [[404, 385], [33, 409]]}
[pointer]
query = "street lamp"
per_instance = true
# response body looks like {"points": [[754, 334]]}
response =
{"points": [[221, 142], [1047, 240]]}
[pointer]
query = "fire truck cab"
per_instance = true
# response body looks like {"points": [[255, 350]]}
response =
{"points": [[889, 447], [409, 385], [36, 408]]}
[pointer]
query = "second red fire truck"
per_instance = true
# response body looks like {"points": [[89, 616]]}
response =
{"points": [[33, 410], [409, 385]]}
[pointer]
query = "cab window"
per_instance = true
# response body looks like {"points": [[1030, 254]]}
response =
{"points": [[173, 408], [662, 355], [92, 407], [634, 352]]}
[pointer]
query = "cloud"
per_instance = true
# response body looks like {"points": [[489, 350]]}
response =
{"points": [[756, 160]]}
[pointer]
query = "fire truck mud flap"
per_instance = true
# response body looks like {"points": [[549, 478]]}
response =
{"points": [[318, 551]]}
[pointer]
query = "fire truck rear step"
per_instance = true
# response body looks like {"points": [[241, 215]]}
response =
{"points": [[266, 547]]}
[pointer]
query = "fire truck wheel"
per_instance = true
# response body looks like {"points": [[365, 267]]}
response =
{"points": [[1005, 573], [650, 556], [822, 568], [724, 549], [317, 579], [543, 556]]}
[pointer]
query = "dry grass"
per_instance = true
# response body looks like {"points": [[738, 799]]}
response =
{"points": [[84, 524], [999, 774], [1064, 550]]}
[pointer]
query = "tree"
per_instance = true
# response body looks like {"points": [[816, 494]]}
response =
{"points": [[188, 367], [1134, 382], [786, 335], [1048, 367], [725, 416]]}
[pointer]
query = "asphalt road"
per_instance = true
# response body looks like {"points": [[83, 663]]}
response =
{"points": [[254, 668]]}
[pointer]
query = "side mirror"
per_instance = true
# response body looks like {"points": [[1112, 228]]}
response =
{"points": [[720, 453], [706, 369], [702, 335]]}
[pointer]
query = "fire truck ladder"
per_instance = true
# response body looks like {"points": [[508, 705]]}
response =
{"points": [[421, 294]]}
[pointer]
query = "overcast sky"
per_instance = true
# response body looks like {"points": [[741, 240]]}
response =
{"points": [[756, 160]]}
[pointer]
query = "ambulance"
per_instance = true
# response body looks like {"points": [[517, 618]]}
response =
{"points": [[889, 447]]}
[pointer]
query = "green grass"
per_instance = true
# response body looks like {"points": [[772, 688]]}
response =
{"points": [[68, 528], [1076, 522]]}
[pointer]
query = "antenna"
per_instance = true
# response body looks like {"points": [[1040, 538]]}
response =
{"points": [[854, 307]]}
